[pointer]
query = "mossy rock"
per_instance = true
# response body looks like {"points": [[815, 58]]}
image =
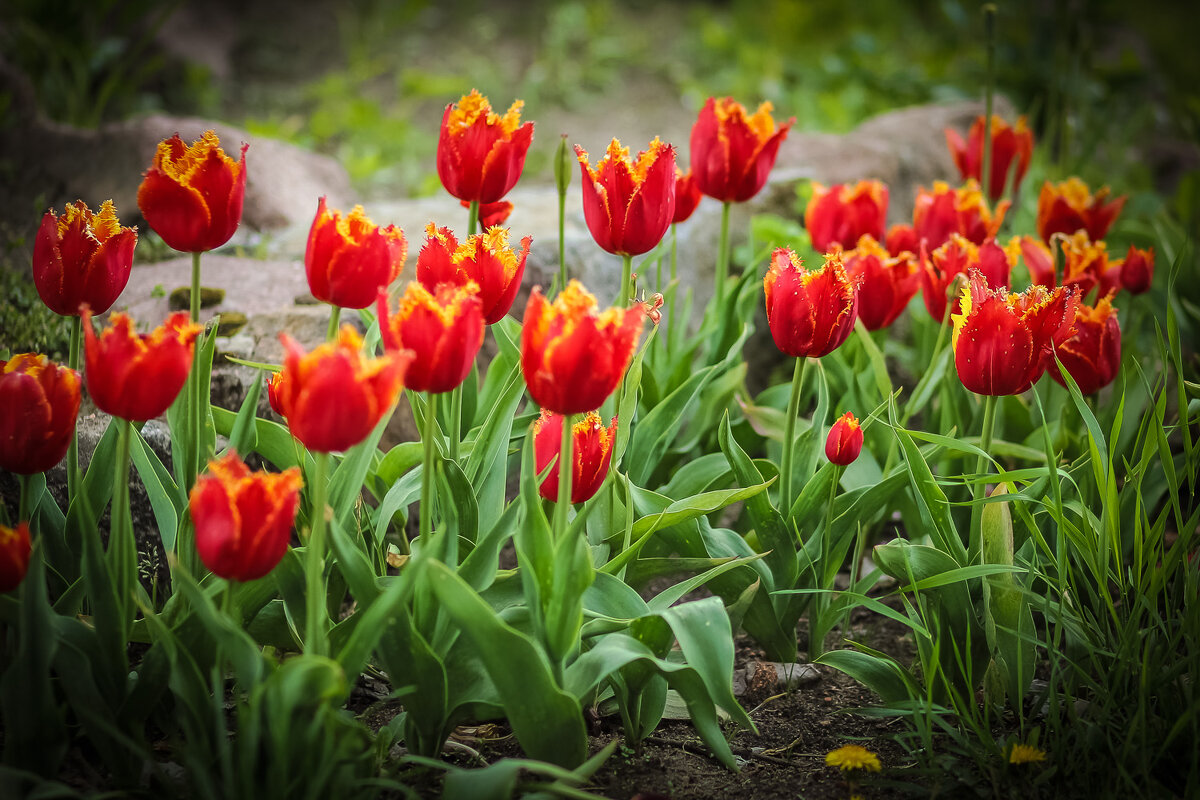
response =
{"points": [[230, 322], [181, 299]]}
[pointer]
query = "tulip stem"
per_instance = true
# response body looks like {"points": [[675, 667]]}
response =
{"points": [[985, 444], [565, 468], [562, 240], [73, 448], [23, 503], [723, 255], [427, 471], [195, 295], [626, 273], [473, 218], [818, 622], [455, 420], [316, 616], [122, 550], [989, 33], [789, 439], [335, 317]]}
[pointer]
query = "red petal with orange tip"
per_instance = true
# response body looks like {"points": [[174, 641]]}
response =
{"points": [[442, 329], [41, 404], [810, 313], [591, 452]]}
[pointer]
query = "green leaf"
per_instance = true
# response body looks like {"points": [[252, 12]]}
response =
{"points": [[656, 431], [546, 720], [881, 675], [244, 436], [166, 500]]}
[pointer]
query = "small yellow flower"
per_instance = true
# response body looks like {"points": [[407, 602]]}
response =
{"points": [[1025, 754], [851, 756]]}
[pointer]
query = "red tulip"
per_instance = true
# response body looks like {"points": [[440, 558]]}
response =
{"points": [[591, 450], [484, 259], [275, 391], [902, 239], [845, 440], [192, 195], [480, 154], [572, 354], [957, 257], [442, 329], [1038, 260], [885, 283], [243, 519], [137, 377], [1086, 265], [15, 548], [1001, 341], [1092, 355], [82, 257], [492, 214], [41, 403], [333, 397], [810, 313], [1070, 206], [1137, 270], [687, 195], [944, 211], [732, 152], [349, 259], [843, 213], [629, 203], [1009, 144]]}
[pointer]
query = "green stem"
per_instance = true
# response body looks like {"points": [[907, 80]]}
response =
{"points": [[723, 254], [473, 218], [194, 387], [23, 503], [989, 32], [73, 448], [985, 444], [789, 439], [427, 472], [818, 621], [122, 550], [562, 241], [455, 420], [335, 317], [316, 616], [626, 273], [195, 296], [565, 468]]}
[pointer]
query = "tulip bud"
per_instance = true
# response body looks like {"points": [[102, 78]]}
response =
{"points": [[562, 167], [845, 440], [41, 402], [15, 548]]}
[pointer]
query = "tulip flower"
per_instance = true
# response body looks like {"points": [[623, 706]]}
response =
{"points": [[944, 211], [137, 376], [902, 239], [957, 257], [842, 213], [1086, 265], [572, 354], [732, 152], [480, 154], [82, 257], [41, 403], [1001, 341], [1137, 270], [629, 203], [1009, 144], [492, 214], [810, 313], [1092, 355], [1070, 206], [1038, 260], [591, 452], [192, 195], [275, 391], [484, 259], [885, 283], [348, 259], [333, 397], [243, 519], [443, 329], [15, 549], [687, 195], [845, 440]]}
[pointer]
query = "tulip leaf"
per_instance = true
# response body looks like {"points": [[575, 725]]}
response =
{"points": [[273, 441], [547, 721], [402, 493], [456, 502], [931, 500], [479, 567], [880, 674], [353, 563], [654, 433], [487, 465], [242, 651], [371, 622], [346, 483], [166, 500], [628, 410], [697, 475], [397, 462], [810, 443]]}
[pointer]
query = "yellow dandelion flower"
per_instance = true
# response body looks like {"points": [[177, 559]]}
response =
{"points": [[1025, 754], [852, 756]]}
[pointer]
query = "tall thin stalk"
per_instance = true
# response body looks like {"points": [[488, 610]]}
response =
{"points": [[316, 617], [985, 444], [73, 448], [427, 471], [565, 467], [335, 316], [722, 255]]}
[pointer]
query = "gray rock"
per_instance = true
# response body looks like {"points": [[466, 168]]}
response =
{"points": [[762, 678]]}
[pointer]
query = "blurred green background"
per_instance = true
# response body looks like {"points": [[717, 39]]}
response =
{"points": [[365, 81]]}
